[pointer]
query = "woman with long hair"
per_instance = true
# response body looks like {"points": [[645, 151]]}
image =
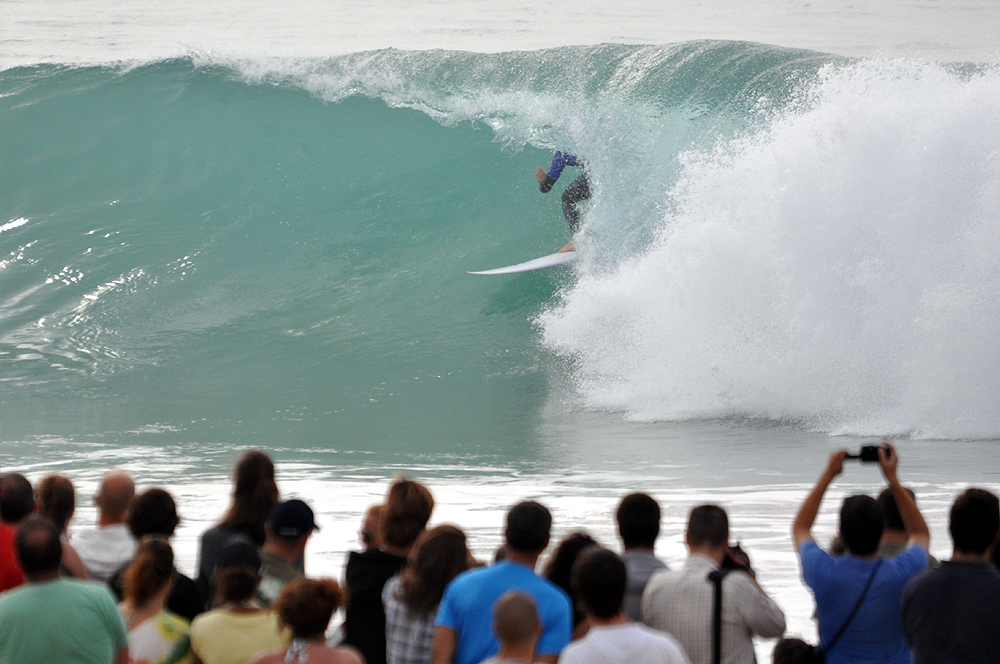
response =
{"points": [[408, 506], [57, 502], [558, 571], [305, 607], [411, 599], [254, 494], [155, 635]]}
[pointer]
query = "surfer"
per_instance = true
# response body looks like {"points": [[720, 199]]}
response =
{"points": [[577, 191]]}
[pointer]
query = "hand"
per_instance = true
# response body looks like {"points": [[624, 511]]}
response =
{"points": [[888, 460], [736, 558], [836, 465], [540, 174]]}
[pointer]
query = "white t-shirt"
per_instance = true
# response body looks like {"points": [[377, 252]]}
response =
{"points": [[627, 643], [104, 550]]}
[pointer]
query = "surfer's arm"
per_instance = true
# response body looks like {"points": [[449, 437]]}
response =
{"points": [[804, 520], [548, 178]]}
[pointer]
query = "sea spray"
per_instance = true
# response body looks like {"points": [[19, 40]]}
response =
{"points": [[836, 267]]}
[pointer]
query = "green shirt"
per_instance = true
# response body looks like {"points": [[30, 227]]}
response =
{"points": [[275, 574], [65, 621]]}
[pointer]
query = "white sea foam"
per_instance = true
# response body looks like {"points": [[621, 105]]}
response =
{"points": [[837, 268]]}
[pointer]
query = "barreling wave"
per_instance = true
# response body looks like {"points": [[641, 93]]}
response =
{"points": [[277, 249]]}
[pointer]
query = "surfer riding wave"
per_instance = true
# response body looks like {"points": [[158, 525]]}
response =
{"points": [[577, 191]]}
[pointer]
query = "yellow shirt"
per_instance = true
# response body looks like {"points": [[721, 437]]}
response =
{"points": [[223, 637]]}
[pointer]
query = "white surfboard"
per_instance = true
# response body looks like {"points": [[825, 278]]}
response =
{"points": [[551, 260]]}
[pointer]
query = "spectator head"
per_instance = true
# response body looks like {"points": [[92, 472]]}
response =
{"points": [[17, 499], [599, 581], [439, 555], [708, 527], [370, 536], [150, 571], [528, 526], [638, 519], [254, 494], [152, 512], [515, 619], [974, 521], [861, 525], [407, 510], [890, 511], [305, 606], [288, 529], [56, 500], [560, 567], [238, 571], [38, 548], [793, 651], [113, 497]]}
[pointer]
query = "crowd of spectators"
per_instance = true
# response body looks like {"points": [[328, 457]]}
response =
{"points": [[112, 594]]}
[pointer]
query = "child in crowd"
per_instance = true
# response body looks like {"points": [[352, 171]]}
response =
{"points": [[516, 626]]}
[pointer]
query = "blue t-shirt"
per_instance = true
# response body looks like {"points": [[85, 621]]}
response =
{"points": [[467, 608], [837, 582]]}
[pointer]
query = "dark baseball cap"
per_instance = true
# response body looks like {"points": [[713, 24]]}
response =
{"points": [[292, 518]]}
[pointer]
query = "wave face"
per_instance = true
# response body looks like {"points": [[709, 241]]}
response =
{"points": [[275, 251]]}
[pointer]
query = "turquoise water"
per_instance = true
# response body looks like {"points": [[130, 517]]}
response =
{"points": [[277, 249], [225, 254]]}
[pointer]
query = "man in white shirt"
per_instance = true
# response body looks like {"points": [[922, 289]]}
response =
{"points": [[109, 546], [680, 602], [599, 578]]}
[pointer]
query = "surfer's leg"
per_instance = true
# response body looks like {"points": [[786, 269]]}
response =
{"points": [[577, 191]]}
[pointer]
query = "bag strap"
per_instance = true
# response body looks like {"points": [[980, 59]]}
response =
{"points": [[716, 577], [854, 611]]}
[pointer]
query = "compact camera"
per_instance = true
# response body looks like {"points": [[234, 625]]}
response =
{"points": [[869, 453]]}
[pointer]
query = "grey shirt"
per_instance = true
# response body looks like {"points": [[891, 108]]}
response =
{"points": [[640, 565]]}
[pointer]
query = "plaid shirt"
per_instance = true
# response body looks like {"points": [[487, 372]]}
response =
{"points": [[408, 637], [680, 603]]}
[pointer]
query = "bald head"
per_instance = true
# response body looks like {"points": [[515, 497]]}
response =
{"points": [[515, 619], [117, 490]]}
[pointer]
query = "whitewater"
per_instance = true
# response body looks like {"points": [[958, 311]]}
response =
{"points": [[251, 226]]}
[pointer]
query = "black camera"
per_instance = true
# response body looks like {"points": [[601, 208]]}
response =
{"points": [[869, 453], [737, 559]]}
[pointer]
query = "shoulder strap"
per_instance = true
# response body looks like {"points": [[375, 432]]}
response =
{"points": [[716, 577], [854, 611]]}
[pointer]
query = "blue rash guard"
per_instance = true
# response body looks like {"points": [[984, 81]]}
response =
{"points": [[559, 161]]}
